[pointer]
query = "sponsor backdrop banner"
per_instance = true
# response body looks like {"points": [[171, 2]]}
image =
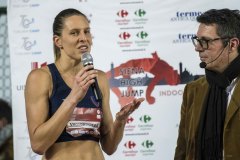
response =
{"points": [[145, 48]]}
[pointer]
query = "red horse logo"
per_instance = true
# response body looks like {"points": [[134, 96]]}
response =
{"points": [[160, 69]]}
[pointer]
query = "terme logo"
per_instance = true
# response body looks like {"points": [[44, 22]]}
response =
{"points": [[186, 16], [122, 13], [184, 38]]}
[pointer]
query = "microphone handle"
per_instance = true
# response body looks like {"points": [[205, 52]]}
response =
{"points": [[96, 90]]}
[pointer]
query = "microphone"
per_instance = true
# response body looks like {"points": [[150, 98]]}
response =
{"points": [[204, 64], [88, 60]]}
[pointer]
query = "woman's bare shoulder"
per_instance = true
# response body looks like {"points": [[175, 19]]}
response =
{"points": [[39, 79], [39, 74]]}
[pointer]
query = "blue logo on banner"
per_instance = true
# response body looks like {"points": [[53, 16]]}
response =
{"points": [[24, 3], [183, 38], [25, 22], [186, 16], [27, 44]]}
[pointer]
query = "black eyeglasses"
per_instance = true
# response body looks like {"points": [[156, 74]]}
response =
{"points": [[204, 43]]}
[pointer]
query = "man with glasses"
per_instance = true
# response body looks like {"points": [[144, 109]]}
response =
{"points": [[210, 113]]}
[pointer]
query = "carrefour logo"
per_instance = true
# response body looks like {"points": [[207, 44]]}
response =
{"points": [[140, 13], [122, 13], [142, 35], [147, 144], [130, 120], [140, 17], [145, 118], [130, 144], [124, 35]]}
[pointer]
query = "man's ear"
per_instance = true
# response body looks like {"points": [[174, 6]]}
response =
{"points": [[234, 43], [57, 41]]}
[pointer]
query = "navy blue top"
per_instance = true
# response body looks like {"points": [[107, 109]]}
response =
{"points": [[86, 118]]}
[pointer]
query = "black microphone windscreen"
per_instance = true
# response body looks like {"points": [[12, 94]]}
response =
{"points": [[203, 64], [87, 59]]}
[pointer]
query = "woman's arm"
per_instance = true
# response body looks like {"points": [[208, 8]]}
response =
{"points": [[112, 132], [44, 130]]}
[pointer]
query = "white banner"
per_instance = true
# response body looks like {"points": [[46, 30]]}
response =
{"points": [[144, 46]]}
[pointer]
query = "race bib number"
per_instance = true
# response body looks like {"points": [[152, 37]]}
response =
{"points": [[85, 121]]}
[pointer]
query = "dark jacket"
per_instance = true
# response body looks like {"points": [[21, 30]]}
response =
{"points": [[193, 98]]}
